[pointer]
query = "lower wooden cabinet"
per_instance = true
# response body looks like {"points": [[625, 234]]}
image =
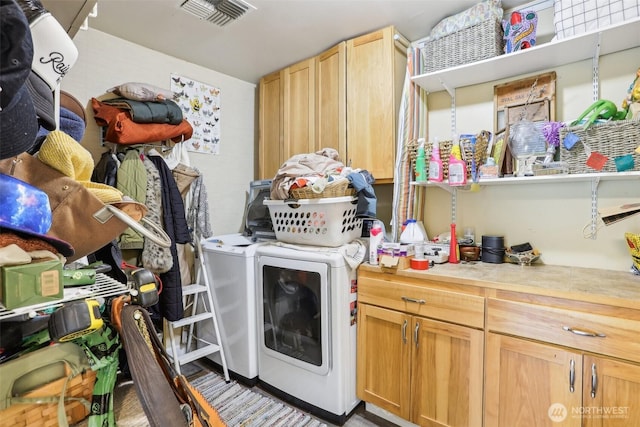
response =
{"points": [[531, 383], [439, 351], [426, 371]]}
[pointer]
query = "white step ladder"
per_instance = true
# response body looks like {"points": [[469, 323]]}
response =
{"points": [[198, 307]]}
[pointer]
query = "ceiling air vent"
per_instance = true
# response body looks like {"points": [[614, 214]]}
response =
{"points": [[219, 12]]}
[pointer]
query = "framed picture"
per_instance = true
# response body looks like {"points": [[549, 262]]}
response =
{"points": [[531, 98]]}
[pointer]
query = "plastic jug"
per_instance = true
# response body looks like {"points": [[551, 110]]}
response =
{"points": [[412, 233]]}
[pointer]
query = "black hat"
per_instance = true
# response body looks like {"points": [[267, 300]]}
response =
{"points": [[18, 119]]}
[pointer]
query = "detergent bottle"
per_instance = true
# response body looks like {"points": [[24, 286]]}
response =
{"points": [[457, 166], [435, 164]]}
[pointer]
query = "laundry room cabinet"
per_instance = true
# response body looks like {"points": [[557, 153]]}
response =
{"points": [[542, 367], [287, 115], [531, 383], [346, 98], [500, 345], [376, 68], [271, 124], [420, 351], [331, 99]]}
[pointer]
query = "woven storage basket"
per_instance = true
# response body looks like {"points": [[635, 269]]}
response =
{"points": [[445, 152], [46, 414], [612, 139], [339, 188], [317, 222], [471, 44]]}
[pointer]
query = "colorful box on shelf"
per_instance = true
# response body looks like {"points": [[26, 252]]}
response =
{"points": [[29, 284], [397, 249]]}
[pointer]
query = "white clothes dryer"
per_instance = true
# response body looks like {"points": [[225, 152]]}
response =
{"points": [[307, 328]]}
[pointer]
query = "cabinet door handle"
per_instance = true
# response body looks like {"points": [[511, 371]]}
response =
{"points": [[417, 301], [415, 334], [594, 380], [572, 375], [584, 332], [404, 332]]}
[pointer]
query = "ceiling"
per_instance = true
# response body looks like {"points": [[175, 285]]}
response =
{"points": [[276, 34]]}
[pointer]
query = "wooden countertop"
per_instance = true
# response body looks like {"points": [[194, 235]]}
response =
{"points": [[616, 288]]}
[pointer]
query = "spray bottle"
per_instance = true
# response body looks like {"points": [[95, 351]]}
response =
{"points": [[457, 166], [435, 164], [421, 166]]}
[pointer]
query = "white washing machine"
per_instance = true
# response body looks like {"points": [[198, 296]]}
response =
{"points": [[230, 263]]}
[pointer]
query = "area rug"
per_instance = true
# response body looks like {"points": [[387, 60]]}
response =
{"points": [[240, 406]]}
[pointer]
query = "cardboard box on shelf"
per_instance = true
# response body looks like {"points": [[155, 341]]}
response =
{"points": [[393, 263]]}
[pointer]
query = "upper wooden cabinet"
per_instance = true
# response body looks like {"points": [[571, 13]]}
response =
{"points": [[376, 65], [286, 116], [299, 108], [346, 98], [271, 124], [331, 100]]}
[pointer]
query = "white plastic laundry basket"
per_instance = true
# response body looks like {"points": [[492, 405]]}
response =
{"points": [[327, 221]]}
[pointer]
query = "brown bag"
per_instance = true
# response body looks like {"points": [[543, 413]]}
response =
{"points": [[78, 216]]}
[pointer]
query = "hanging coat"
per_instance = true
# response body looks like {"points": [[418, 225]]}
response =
{"points": [[175, 225], [132, 181]]}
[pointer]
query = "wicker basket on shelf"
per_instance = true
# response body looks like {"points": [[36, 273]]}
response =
{"points": [[445, 152], [471, 44], [338, 188], [612, 139]]}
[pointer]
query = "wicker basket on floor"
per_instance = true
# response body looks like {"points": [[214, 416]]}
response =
{"points": [[338, 188], [46, 414], [471, 44], [612, 139]]}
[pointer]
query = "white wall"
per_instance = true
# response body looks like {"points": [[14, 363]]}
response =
{"points": [[549, 216], [105, 61]]}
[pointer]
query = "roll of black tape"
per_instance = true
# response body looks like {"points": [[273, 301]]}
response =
{"points": [[493, 249]]}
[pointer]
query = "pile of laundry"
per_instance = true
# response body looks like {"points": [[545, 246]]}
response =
{"points": [[319, 170]]}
